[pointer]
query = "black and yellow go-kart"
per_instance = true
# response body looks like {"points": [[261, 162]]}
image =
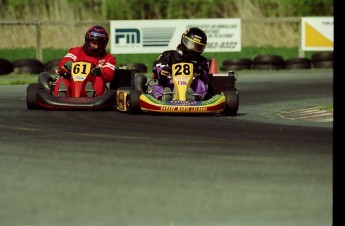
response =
{"points": [[223, 95]]}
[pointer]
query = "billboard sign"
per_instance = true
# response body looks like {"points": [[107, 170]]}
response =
{"points": [[317, 33], [156, 36]]}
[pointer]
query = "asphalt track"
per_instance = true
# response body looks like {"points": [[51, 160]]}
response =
{"points": [[108, 168]]}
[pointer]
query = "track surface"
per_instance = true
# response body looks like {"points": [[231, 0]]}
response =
{"points": [[110, 168]]}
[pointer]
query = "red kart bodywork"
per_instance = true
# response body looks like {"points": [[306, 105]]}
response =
{"points": [[40, 95]]}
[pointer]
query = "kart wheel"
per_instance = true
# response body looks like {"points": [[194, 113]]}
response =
{"points": [[133, 102], [139, 67], [232, 102], [31, 96]]}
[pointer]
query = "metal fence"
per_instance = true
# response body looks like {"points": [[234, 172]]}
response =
{"points": [[256, 32]]}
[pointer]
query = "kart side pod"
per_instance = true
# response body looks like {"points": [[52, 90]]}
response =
{"points": [[221, 82]]}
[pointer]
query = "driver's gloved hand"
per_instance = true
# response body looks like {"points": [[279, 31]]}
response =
{"points": [[96, 71], [166, 71], [65, 70], [198, 71]]}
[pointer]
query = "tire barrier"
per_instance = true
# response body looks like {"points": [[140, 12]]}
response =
{"points": [[322, 60], [6, 67], [27, 66], [260, 62], [276, 62], [236, 64], [268, 62], [51, 66], [297, 63]]}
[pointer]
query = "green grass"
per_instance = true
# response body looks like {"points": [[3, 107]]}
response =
{"points": [[328, 107], [13, 79]]}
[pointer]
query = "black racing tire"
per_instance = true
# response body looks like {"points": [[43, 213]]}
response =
{"points": [[31, 96], [140, 81], [267, 66], [6, 67], [297, 66], [133, 102], [297, 63], [240, 61], [235, 67], [323, 64], [298, 60], [5, 71], [28, 69], [268, 59], [27, 62], [322, 56], [232, 102]]}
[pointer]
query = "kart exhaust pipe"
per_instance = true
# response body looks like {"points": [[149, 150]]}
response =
{"points": [[44, 79]]}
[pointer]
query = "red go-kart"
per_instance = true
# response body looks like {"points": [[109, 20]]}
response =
{"points": [[40, 95]]}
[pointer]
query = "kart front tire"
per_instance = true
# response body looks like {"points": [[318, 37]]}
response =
{"points": [[133, 102], [31, 96], [232, 102]]}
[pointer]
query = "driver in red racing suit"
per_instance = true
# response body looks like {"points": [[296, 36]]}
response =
{"points": [[93, 51]]}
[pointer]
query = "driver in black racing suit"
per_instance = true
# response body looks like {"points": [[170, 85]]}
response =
{"points": [[193, 43]]}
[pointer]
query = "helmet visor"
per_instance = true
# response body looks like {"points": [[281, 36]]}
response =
{"points": [[97, 35], [192, 45]]}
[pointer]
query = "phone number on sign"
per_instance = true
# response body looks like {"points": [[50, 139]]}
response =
{"points": [[221, 45]]}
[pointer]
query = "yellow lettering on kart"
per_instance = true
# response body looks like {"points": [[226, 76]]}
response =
{"points": [[80, 70]]}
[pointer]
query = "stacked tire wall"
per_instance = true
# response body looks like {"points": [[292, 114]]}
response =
{"points": [[276, 62], [27, 66]]}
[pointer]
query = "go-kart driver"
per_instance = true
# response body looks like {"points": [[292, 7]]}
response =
{"points": [[94, 52], [193, 43]]}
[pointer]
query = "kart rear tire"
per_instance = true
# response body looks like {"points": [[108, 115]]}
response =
{"points": [[133, 102], [139, 67], [232, 103], [31, 96]]}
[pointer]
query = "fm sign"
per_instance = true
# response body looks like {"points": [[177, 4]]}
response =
{"points": [[127, 36], [156, 36]]}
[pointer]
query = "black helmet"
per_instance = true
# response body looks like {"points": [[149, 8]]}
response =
{"points": [[193, 41], [99, 36]]}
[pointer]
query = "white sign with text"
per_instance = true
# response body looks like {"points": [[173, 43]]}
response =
{"points": [[156, 36], [317, 33]]}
